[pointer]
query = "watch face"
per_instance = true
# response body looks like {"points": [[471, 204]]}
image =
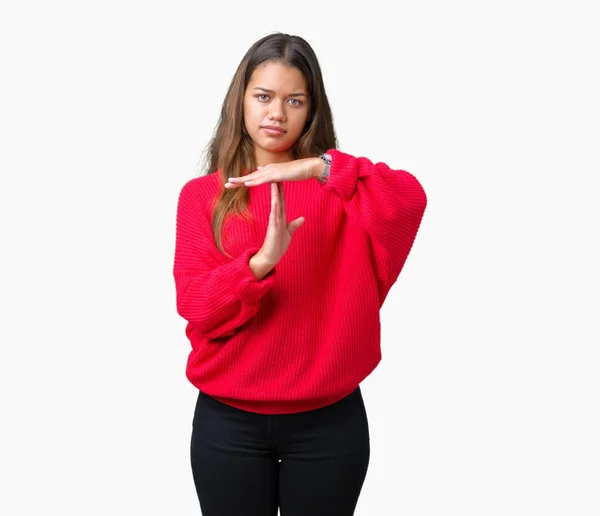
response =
{"points": [[327, 157]]}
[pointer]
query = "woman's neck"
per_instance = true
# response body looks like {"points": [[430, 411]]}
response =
{"points": [[263, 158]]}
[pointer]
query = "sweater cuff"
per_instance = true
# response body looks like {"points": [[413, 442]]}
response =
{"points": [[248, 288], [343, 174]]}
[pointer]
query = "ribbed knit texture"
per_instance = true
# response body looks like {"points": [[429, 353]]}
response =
{"points": [[308, 333]]}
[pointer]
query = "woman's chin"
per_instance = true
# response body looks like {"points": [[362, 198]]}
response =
{"points": [[271, 146]]}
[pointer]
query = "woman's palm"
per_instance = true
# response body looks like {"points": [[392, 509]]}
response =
{"points": [[279, 232]]}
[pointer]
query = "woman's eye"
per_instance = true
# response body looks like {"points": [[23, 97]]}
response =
{"points": [[263, 97]]}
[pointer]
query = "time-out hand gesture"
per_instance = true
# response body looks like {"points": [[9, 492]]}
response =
{"points": [[296, 170], [279, 232]]}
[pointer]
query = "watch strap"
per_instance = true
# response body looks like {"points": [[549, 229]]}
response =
{"points": [[327, 160]]}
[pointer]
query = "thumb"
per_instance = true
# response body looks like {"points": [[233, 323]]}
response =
{"points": [[295, 224]]}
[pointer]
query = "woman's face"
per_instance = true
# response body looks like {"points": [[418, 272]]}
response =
{"points": [[276, 96]]}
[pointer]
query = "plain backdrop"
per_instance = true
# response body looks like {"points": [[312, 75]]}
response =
{"points": [[486, 401]]}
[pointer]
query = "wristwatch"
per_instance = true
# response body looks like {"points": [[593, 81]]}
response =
{"points": [[325, 176]]}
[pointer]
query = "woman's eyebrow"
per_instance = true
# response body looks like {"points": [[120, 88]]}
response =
{"points": [[266, 90]]}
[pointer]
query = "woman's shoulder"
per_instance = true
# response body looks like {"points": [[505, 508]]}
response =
{"points": [[205, 185], [200, 193]]}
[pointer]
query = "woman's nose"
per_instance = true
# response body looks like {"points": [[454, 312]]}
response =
{"points": [[276, 111]]}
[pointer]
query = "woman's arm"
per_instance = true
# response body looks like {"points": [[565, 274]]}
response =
{"points": [[214, 293], [388, 204]]}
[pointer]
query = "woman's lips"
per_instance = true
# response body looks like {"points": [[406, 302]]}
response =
{"points": [[273, 131]]}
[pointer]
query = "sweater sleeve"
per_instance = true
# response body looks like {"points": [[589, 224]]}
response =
{"points": [[214, 293], [388, 204]]}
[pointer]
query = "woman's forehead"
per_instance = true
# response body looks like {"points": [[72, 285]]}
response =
{"points": [[277, 77]]}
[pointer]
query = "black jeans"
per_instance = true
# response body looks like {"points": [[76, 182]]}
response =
{"points": [[310, 463]]}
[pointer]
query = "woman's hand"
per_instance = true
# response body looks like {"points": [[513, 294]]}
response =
{"points": [[297, 170], [279, 232]]}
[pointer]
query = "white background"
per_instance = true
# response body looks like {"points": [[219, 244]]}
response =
{"points": [[487, 398]]}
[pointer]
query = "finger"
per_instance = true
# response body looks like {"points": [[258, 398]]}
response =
{"points": [[295, 224], [231, 186], [281, 197], [274, 198], [260, 178], [241, 179], [238, 182]]}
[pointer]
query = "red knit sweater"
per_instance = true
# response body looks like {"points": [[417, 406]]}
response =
{"points": [[308, 333]]}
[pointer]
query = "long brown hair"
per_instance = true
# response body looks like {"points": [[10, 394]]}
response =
{"points": [[231, 149]]}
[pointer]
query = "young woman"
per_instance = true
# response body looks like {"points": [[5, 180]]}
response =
{"points": [[282, 332]]}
